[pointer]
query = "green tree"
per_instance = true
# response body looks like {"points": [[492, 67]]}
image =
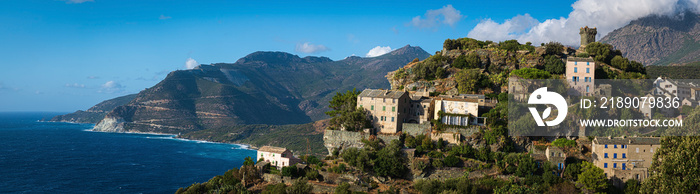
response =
{"points": [[290, 171], [620, 63], [468, 61], [632, 186], [602, 52], [553, 48], [676, 166], [248, 161], [592, 178], [509, 45], [451, 160], [572, 171], [345, 113], [554, 65], [467, 80], [390, 161]]}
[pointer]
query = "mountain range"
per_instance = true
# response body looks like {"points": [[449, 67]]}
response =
{"points": [[274, 88], [659, 40]]}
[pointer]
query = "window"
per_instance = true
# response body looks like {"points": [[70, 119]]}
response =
{"points": [[624, 155], [575, 69], [588, 70], [624, 166], [637, 150], [393, 100], [393, 109], [392, 119], [605, 165], [573, 79], [614, 165], [651, 150], [360, 106], [606, 145], [588, 63], [606, 155], [588, 89], [383, 108], [615, 146], [615, 155], [575, 62], [371, 108]]}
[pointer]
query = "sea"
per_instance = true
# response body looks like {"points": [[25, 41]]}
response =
{"points": [[43, 157]]}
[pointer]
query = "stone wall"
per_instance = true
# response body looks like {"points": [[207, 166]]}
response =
{"points": [[416, 129], [345, 139]]}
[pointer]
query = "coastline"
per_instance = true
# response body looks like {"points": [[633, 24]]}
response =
{"points": [[174, 136]]}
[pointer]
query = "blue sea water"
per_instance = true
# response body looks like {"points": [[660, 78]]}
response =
{"points": [[41, 157]]}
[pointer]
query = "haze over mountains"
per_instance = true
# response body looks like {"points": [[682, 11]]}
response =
{"points": [[260, 88], [659, 40]]}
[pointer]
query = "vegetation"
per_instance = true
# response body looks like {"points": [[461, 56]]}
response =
{"points": [[465, 44], [470, 80], [530, 73], [554, 65], [382, 160], [592, 178], [564, 143], [345, 114], [467, 61], [676, 166]]}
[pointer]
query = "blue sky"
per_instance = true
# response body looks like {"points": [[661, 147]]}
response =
{"points": [[69, 55]]}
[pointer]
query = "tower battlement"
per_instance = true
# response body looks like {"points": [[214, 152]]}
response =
{"points": [[587, 35]]}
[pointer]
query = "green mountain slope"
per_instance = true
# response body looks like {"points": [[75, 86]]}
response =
{"points": [[96, 113], [273, 88]]}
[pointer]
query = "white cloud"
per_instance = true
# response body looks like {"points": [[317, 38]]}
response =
{"points": [[78, 1], [111, 87], [191, 63], [75, 85], [310, 48], [93, 77], [447, 15], [163, 17], [378, 51], [606, 15]]}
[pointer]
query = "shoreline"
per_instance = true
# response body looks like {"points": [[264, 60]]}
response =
{"points": [[174, 136]]}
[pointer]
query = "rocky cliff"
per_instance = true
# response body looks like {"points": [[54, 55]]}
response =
{"points": [[659, 40]]}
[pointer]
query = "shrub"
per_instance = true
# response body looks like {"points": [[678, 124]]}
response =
{"points": [[451, 160]]}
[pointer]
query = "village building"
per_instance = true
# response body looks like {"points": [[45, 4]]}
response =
{"points": [[580, 73], [277, 156], [624, 158], [387, 109], [556, 156], [419, 108], [461, 110]]}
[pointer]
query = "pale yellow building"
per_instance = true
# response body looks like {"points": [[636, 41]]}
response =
{"points": [[625, 158], [277, 156], [387, 109], [460, 110]]}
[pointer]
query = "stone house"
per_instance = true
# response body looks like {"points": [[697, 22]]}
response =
{"points": [[624, 158], [277, 156], [556, 156], [387, 109], [420, 108]]}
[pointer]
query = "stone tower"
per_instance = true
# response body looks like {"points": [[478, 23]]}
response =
{"points": [[587, 35]]}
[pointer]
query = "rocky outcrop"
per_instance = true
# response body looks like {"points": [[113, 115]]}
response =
{"points": [[659, 40], [110, 124]]}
